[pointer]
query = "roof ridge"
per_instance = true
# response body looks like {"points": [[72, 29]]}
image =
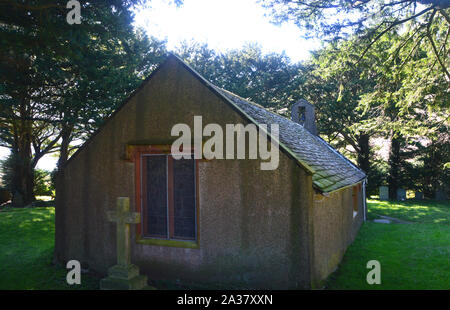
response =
{"points": [[257, 105]]}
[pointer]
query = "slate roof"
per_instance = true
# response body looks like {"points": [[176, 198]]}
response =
{"points": [[330, 169]]}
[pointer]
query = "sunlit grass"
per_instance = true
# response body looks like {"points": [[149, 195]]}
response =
{"points": [[412, 256], [411, 210], [44, 198], [26, 251]]}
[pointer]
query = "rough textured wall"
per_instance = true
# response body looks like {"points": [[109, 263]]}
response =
{"points": [[254, 225], [335, 228]]}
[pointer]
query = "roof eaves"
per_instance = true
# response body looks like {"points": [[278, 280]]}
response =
{"points": [[340, 155], [331, 190]]}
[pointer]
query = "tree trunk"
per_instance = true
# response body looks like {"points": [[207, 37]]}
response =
{"points": [[363, 158], [394, 166], [22, 182], [364, 153], [66, 137], [63, 151]]}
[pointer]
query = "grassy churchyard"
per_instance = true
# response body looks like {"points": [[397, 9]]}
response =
{"points": [[26, 251], [412, 256]]}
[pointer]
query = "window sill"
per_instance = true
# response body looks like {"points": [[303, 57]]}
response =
{"points": [[169, 243]]}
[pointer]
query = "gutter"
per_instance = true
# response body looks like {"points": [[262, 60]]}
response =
{"points": [[364, 199]]}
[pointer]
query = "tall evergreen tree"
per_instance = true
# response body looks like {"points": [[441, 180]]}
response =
{"points": [[426, 22], [271, 80], [58, 79]]}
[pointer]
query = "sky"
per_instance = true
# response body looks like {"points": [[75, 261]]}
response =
{"points": [[223, 24]]}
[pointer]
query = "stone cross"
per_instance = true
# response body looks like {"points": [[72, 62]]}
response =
{"points": [[124, 275], [123, 218]]}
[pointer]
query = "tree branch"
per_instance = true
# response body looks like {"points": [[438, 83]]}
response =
{"points": [[47, 149], [393, 24], [443, 13], [31, 7], [433, 45]]}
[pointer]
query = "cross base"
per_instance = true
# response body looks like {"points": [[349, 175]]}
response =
{"points": [[124, 278]]}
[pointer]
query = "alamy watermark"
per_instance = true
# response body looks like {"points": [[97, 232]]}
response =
{"points": [[213, 148], [74, 15], [74, 275], [374, 275]]}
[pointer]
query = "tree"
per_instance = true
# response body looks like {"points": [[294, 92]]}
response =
{"points": [[433, 173], [271, 80], [372, 20], [412, 94], [341, 119], [43, 184], [378, 96], [109, 72], [53, 75]]}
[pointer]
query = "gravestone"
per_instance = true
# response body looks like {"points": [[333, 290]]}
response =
{"points": [[401, 194], [124, 275], [382, 221], [384, 193], [440, 195], [418, 195]]}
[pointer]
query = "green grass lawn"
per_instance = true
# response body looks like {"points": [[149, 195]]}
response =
{"points": [[412, 256], [26, 251], [412, 210]]}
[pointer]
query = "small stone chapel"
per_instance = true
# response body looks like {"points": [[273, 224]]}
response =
{"points": [[216, 221]]}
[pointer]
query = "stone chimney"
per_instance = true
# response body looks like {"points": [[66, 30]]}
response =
{"points": [[303, 112]]}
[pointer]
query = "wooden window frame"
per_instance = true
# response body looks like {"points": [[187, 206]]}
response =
{"points": [[136, 153]]}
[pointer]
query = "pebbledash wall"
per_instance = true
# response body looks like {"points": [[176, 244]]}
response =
{"points": [[258, 229], [335, 228]]}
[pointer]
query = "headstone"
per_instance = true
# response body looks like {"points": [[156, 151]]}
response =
{"points": [[17, 200], [440, 195], [382, 221], [401, 194], [384, 193], [418, 195], [124, 275]]}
